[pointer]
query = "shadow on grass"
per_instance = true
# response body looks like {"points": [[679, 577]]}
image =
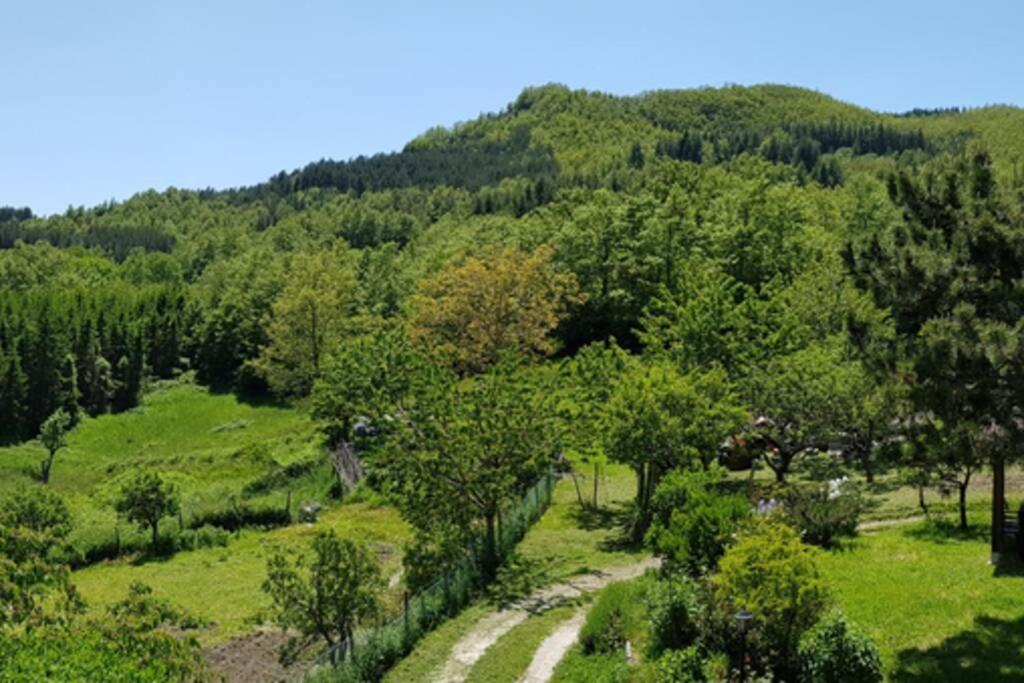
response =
{"points": [[941, 530], [1011, 566], [991, 651], [254, 397], [517, 578], [617, 518]]}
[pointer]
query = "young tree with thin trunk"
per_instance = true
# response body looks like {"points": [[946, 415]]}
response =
{"points": [[323, 595], [53, 434], [147, 499]]}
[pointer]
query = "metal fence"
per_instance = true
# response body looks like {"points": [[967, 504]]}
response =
{"points": [[371, 651]]}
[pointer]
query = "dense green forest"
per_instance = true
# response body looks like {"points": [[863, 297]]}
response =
{"points": [[632, 193], [580, 273]]}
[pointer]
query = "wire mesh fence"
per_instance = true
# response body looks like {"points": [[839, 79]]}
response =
{"points": [[371, 651]]}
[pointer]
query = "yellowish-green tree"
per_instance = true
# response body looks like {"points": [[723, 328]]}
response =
{"points": [[315, 310], [509, 300]]}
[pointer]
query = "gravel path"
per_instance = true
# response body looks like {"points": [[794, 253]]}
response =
{"points": [[554, 647], [488, 630]]}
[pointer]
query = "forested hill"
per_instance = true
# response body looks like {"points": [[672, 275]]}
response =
{"points": [[629, 195]]}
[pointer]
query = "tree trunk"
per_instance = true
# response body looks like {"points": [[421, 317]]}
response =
{"points": [[998, 502], [596, 471], [641, 485], [156, 532], [920, 499], [46, 466], [963, 505], [490, 555], [576, 484], [869, 471]]}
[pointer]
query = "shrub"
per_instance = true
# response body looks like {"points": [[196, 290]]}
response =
{"points": [[833, 651], [674, 611], [681, 666], [604, 631], [824, 512], [775, 576], [694, 522], [242, 515]]}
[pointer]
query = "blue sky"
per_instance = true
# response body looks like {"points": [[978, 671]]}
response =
{"points": [[104, 99]]}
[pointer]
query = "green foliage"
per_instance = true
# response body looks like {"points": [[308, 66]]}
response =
{"points": [[365, 373], [835, 652], [674, 610], [310, 316], [323, 596], [605, 630], [693, 521], [681, 666], [824, 512], [146, 499], [53, 436], [461, 451], [773, 575], [657, 419], [129, 644], [35, 581]]}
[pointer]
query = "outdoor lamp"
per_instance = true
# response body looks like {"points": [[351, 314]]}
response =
{"points": [[743, 619]]}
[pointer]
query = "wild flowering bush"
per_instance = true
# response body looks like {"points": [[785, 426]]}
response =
{"points": [[824, 512]]}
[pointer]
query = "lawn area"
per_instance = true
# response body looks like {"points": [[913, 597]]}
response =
{"points": [[209, 444], [223, 584], [937, 610], [568, 540]]}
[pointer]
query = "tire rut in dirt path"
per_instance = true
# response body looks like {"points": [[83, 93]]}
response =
{"points": [[553, 649], [472, 646]]}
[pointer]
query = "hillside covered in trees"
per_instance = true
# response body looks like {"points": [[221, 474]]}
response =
{"points": [[629, 191], [666, 281]]}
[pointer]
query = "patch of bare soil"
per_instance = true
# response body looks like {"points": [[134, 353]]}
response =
{"points": [[253, 658]]}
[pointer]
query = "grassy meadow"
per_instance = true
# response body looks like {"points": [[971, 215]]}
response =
{"points": [[215, 447]]}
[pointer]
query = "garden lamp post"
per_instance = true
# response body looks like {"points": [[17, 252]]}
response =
{"points": [[743, 619]]}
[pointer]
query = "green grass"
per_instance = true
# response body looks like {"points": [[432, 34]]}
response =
{"points": [[507, 660], [432, 652], [223, 584], [210, 445], [568, 541], [937, 610], [889, 498]]}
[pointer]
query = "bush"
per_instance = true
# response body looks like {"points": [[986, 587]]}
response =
{"points": [[681, 666], [693, 522], [238, 516], [824, 512], [775, 576], [204, 537], [674, 612], [836, 652], [604, 631]]}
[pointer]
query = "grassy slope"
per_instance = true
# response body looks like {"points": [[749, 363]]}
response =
{"points": [[223, 584], [562, 544], [208, 444], [935, 607]]}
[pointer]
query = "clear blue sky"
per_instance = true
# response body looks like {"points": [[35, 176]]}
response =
{"points": [[103, 99]]}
